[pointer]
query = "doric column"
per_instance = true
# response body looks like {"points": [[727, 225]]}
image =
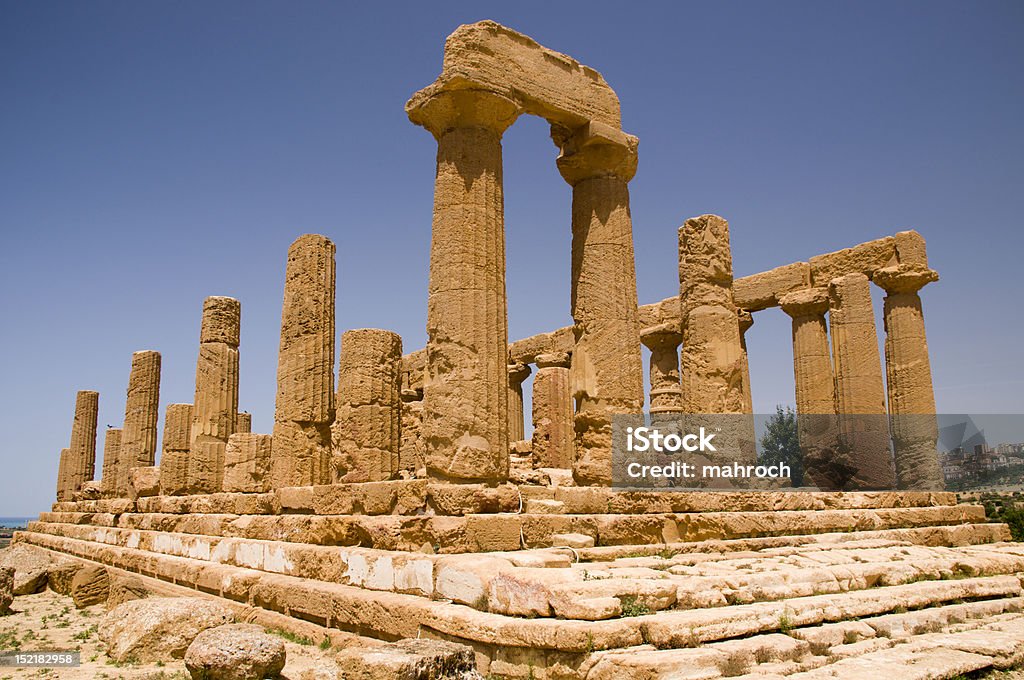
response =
{"points": [[666, 390], [909, 378], [83, 439], [746, 321], [367, 429], [304, 408], [410, 453], [517, 373], [63, 475], [552, 412], [111, 447], [247, 463], [215, 409], [174, 460], [607, 369], [141, 414], [860, 395], [824, 465], [465, 419], [244, 422]]}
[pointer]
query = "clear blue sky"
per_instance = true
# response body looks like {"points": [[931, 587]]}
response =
{"points": [[152, 154]]}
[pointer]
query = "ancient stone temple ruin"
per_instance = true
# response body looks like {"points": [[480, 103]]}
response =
{"points": [[402, 498]]}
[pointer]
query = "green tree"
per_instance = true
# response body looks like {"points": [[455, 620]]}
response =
{"points": [[781, 444]]}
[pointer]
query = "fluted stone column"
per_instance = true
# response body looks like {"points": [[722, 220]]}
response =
{"points": [[909, 378], [141, 414], [247, 463], [244, 422], [174, 460], [465, 408], [215, 408], [607, 367], [111, 448], [64, 475], [824, 465], [746, 321], [411, 459], [367, 430], [82, 454], [666, 389], [860, 395], [304, 409], [553, 436], [517, 373]]}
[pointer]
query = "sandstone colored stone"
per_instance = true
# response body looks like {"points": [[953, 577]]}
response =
{"points": [[761, 291], [864, 258], [64, 475], [111, 447], [82, 451], [138, 437], [176, 444], [222, 321], [60, 575], [413, 659], [144, 481], [238, 651], [6, 589], [552, 406], [517, 373], [30, 565], [90, 585], [410, 451], [244, 422], [247, 463], [366, 433], [158, 628], [666, 390], [301, 449], [125, 589], [911, 249]]}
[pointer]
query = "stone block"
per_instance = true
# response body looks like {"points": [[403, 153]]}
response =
{"points": [[761, 291]]}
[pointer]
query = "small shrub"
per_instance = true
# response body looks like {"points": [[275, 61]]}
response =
{"points": [[733, 665], [633, 607]]}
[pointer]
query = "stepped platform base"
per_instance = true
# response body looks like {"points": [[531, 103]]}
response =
{"points": [[827, 585]]}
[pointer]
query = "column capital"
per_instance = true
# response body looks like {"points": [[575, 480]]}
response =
{"points": [[451, 109], [518, 372], [805, 302], [595, 150], [904, 278], [665, 335], [553, 360]]}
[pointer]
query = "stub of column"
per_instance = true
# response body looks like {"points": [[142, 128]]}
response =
{"points": [[411, 460], [63, 476], [215, 408], [367, 429], [607, 367], [304, 408], [666, 389], [247, 463], [825, 466], [111, 449], [141, 414], [465, 420], [909, 378], [553, 435], [174, 458], [860, 394], [83, 438], [517, 373], [746, 321], [243, 422]]}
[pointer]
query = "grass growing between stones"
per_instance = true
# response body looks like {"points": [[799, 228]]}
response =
{"points": [[633, 607]]}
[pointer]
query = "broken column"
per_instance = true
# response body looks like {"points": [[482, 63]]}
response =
{"points": [[666, 390], [465, 422], [215, 408], [247, 463], [141, 413], [82, 456], [825, 466], [860, 395], [244, 422], [517, 373], [909, 378], [174, 460], [63, 475], [598, 161], [553, 435], [411, 460], [304, 410], [111, 446], [367, 429]]}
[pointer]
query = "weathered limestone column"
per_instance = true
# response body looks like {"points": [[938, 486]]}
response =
{"points": [[410, 454], [517, 373], [63, 475], [174, 461], [83, 439], [909, 378], [607, 368], [141, 413], [553, 435], [746, 321], [367, 430], [824, 466], [465, 408], [215, 409], [247, 463], [301, 454], [244, 422], [111, 447], [860, 395], [666, 389]]}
